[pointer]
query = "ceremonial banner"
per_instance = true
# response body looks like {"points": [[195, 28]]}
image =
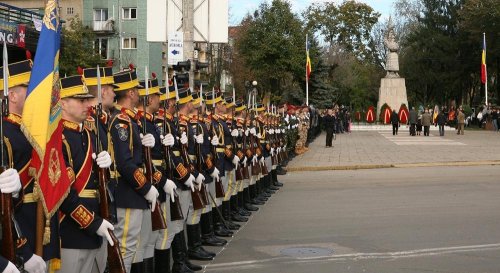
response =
{"points": [[484, 71], [42, 114]]}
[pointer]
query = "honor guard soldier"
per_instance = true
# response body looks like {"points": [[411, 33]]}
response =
{"points": [[214, 131], [81, 227], [164, 186], [195, 249], [134, 195], [227, 160], [243, 146], [199, 123], [184, 181], [200, 154], [236, 209], [16, 179]]}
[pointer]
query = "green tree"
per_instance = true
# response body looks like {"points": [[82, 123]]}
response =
{"points": [[349, 25], [77, 48], [273, 48]]}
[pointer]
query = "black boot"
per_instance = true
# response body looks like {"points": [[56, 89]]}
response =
{"points": [[275, 178], [235, 216], [253, 195], [162, 261], [137, 268], [193, 267], [207, 232], [179, 254], [261, 185], [226, 212], [271, 182], [149, 264], [219, 227], [247, 203], [195, 250], [239, 205], [280, 170]]}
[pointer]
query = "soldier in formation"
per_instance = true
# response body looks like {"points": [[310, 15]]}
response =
{"points": [[171, 158]]}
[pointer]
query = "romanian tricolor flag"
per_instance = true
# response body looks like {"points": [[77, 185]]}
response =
{"points": [[42, 113], [308, 60], [484, 72]]}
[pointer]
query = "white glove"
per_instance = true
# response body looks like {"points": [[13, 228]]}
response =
{"points": [[272, 151], [286, 119], [35, 265], [240, 132], [169, 188], [199, 180], [215, 174], [271, 131], [103, 230], [278, 150], [184, 138], [148, 140], [245, 161], [247, 131], [278, 131], [168, 140], [10, 182], [11, 268], [236, 159], [189, 182], [259, 135], [103, 159], [215, 141], [289, 126], [234, 132], [199, 139], [262, 161], [252, 131], [152, 197], [254, 159]]}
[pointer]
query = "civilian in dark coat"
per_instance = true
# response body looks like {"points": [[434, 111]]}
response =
{"points": [[329, 120], [441, 121], [394, 122], [413, 120]]}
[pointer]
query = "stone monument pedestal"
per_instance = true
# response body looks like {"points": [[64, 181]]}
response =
{"points": [[393, 92]]}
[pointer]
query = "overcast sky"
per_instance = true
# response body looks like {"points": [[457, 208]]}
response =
{"points": [[239, 8]]}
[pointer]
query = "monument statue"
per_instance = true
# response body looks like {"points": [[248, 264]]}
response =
{"points": [[392, 86], [392, 61]]}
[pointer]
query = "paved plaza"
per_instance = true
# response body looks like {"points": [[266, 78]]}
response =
{"points": [[392, 220], [367, 149]]}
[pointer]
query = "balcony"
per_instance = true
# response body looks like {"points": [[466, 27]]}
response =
{"points": [[103, 26]]}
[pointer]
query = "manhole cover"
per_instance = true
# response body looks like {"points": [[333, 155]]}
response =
{"points": [[306, 251]]}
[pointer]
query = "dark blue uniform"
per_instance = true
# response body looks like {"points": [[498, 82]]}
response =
{"points": [[81, 220], [19, 152], [126, 149], [176, 167]]}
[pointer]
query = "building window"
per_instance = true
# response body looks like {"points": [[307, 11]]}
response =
{"points": [[101, 47], [129, 13], [129, 43], [70, 10], [100, 14]]}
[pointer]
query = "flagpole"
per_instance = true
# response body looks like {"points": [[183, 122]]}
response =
{"points": [[307, 78], [485, 70]]}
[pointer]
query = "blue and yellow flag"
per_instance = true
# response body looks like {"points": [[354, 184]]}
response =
{"points": [[42, 114]]}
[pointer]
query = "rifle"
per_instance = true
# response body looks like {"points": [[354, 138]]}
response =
{"points": [[199, 156], [115, 259], [247, 152], [238, 171], [175, 206], [219, 188], [157, 220], [198, 201]]}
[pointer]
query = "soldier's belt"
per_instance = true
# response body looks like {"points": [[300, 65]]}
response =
{"points": [[192, 157], [157, 162], [220, 150], [263, 141], [29, 198], [89, 194], [176, 153], [229, 146]]}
